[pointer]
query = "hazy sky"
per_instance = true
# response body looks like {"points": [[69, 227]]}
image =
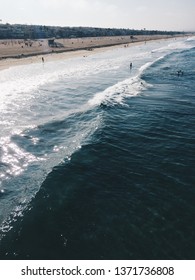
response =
{"points": [[137, 14]]}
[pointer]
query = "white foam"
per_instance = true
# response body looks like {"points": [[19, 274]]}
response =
{"points": [[191, 39], [176, 45], [117, 93]]}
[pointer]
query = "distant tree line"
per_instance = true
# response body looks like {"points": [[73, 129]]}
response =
{"points": [[21, 31]]}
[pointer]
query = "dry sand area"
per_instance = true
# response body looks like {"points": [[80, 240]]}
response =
{"points": [[15, 52]]}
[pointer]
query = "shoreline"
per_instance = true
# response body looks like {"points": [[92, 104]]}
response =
{"points": [[17, 52]]}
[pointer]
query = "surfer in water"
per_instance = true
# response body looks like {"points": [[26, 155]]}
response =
{"points": [[179, 73]]}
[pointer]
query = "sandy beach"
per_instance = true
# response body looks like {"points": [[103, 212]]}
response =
{"points": [[19, 52]]}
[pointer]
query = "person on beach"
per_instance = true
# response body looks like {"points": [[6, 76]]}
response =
{"points": [[43, 59]]}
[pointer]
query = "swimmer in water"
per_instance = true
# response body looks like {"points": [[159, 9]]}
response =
{"points": [[179, 73]]}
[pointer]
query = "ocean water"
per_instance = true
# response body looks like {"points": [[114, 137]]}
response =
{"points": [[97, 159]]}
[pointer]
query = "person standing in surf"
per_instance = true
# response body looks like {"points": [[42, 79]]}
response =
{"points": [[131, 65]]}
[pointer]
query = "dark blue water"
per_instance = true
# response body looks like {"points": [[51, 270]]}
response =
{"points": [[97, 160]]}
